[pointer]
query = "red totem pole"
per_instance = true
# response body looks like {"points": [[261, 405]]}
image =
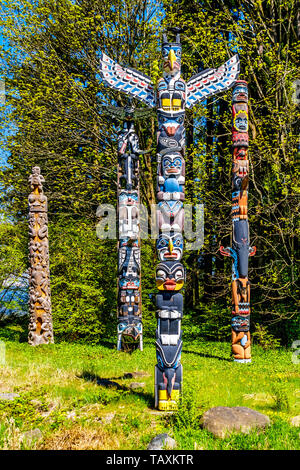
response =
{"points": [[240, 250]]}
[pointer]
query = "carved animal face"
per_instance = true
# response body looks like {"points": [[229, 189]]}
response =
{"points": [[240, 93], [170, 276], [129, 282], [240, 153], [130, 327], [170, 124], [170, 247], [128, 198], [171, 53]]}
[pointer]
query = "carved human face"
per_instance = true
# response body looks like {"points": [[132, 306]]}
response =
{"points": [[172, 165], [240, 121], [170, 276]]}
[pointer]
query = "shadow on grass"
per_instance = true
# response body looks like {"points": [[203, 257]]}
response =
{"points": [[110, 383], [211, 356], [108, 344]]}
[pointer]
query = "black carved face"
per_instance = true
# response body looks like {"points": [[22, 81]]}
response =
{"points": [[170, 276]]}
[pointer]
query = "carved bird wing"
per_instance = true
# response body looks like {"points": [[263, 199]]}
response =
{"points": [[212, 81], [134, 83]]}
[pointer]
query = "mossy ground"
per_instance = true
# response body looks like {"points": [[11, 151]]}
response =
{"points": [[63, 393]]}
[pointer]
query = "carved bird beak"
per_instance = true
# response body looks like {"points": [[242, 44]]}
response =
{"points": [[172, 58]]}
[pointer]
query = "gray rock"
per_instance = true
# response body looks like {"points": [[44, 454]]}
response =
{"points": [[162, 441], [135, 385], [295, 421], [29, 437], [8, 396], [223, 420]]}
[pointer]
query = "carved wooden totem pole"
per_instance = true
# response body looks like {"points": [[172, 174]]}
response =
{"points": [[170, 99], [130, 328], [240, 250], [40, 321]]}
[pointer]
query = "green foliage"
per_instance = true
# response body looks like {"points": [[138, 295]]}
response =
{"points": [[23, 409], [189, 411], [82, 268], [280, 396], [264, 338]]}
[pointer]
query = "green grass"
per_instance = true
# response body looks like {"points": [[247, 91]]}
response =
{"points": [[63, 392]]}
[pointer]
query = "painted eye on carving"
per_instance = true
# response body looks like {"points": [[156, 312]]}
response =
{"points": [[166, 163], [162, 243], [177, 242], [162, 119], [177, 162], [160, 273], [179, 274]]}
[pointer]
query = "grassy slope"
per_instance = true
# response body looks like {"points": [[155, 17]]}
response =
{"points": [[54, 381]]}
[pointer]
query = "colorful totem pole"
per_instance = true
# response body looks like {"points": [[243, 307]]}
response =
{"points": [[170, 99], [40, 322], [130, 328], [240, 250]]}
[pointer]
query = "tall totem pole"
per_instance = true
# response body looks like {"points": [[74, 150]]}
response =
{"points": [[130, 327], [170, 99], [240, 250], [40, 320]]}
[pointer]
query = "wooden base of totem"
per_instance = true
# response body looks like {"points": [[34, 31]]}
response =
{"points": [[128, 344], [163, 402]]}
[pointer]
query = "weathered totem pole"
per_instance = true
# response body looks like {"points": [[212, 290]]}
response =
{"points": [[240, 250], [170, 99], [40, 321], [130, 328]]}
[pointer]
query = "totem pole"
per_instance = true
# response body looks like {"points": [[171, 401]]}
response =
{"points": [[130, 327], [240, 250], [170, 99], [40, 322]]}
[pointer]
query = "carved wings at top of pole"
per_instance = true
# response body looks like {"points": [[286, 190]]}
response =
{"points": [[199, 87], [212, 81], [130, 81]]}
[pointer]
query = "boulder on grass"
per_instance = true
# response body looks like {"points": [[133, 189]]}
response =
{"points": [[223, 420], [162, 441]]}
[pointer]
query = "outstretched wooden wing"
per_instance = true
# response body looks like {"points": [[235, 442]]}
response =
{"points": [[134, 83], [212, 81], [118, 112]]}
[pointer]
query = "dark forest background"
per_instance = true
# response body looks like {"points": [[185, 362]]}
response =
{"points": [[53, 117]]}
